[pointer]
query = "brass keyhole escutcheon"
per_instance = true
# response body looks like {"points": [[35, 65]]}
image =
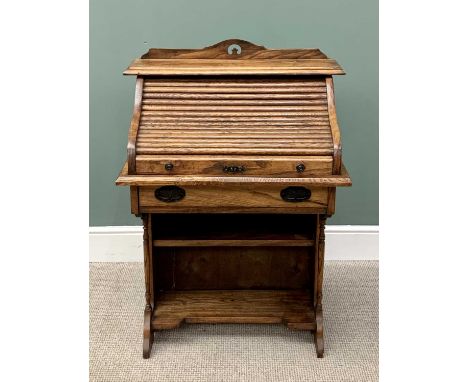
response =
{"points": [[233, 169]]}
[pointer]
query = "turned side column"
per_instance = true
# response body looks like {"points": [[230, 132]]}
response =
{"points": [[320, 257], [147, 330], [319, 263]]}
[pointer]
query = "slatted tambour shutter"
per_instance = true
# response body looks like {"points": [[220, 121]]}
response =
{"points": [[226, 115]]}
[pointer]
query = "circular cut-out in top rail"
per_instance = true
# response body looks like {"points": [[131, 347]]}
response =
{"points": [[234, 49]]}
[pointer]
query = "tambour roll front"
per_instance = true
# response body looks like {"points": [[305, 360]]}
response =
{"points": [[233, 159]]}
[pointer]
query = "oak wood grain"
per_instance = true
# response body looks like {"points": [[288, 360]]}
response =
{"points": [[318, 295], [235, 196], [236, 96], [213, 268], [331, 201], [168, 209], [248, 51], [292, 308], [124, 179], [233, 243], [268, 166], [196, 116], [233, 124], [211, 67], [147, 329], [134, 204]]}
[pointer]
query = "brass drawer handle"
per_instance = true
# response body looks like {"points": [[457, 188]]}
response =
{"points": [[233, 169], [295, 194], [169, 194]]}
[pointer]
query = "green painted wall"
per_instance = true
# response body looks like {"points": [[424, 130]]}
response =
{"points": [[121, 30]]}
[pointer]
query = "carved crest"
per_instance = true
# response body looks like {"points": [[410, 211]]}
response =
{"points": [[234, 49]]}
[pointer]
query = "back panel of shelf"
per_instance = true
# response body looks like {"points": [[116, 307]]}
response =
{"points": [[233, 267]]}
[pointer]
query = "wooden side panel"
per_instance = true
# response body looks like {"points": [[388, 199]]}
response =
{"points": [[335, 129], [134, 126], [134, 203]]}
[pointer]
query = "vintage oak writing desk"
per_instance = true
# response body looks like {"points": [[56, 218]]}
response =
{"points": [[234, 156]]}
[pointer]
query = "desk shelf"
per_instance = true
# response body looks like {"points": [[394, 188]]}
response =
{"points": [[246, 240], [205, 230], [291, 307]]}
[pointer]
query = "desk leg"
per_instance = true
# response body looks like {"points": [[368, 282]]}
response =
{"points": [[148, 334], [319, 260]]}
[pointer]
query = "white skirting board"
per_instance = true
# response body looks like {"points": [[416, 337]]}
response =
{"points": [[125, 243]]}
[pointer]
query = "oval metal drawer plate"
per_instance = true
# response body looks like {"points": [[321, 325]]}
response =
{"points": [[169, 194], [295, 194]]}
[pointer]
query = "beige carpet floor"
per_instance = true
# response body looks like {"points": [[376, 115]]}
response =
{"points": [[234, 352]]}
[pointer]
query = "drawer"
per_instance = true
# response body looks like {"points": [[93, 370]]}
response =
{"points": [[233, 197], [273, 166]]}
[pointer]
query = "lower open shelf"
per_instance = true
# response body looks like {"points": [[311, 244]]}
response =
{"points": [[233, 230], [291, 307], [236, 241]]}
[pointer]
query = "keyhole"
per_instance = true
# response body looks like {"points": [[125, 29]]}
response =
{"points": [[234, 49]]}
